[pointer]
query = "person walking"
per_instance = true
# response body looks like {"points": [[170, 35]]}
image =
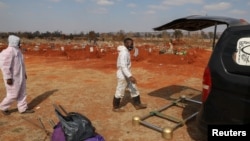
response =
{"points": [[125, 78], [14, 75]]}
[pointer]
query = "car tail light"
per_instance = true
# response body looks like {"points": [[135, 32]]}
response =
{"points": [[206, 85]]}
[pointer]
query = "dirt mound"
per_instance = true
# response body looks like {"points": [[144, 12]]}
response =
{"points": [[146, 53]]}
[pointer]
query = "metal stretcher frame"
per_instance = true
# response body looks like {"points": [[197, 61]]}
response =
{"points": [[167, 132]]}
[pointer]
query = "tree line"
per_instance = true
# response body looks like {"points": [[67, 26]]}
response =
{"points": [[115, 36]]}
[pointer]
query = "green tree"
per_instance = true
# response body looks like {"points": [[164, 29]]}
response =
{"points": [[178, 34], [204, 35], [92, 35], [211, 35]]}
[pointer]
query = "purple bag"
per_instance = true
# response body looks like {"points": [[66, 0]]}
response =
{"points": [[97, 137], [58, 135]]}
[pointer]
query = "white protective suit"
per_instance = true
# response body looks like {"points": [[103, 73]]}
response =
{"points": [[123, 73], [13, 67]]}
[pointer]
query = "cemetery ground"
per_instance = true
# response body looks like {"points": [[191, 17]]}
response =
{"points": [[85, 82]]}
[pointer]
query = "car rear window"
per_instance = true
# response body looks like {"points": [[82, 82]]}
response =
{"points": [[236, 50]]}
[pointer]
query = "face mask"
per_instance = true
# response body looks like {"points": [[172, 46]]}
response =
{"points": [[130, 47]]}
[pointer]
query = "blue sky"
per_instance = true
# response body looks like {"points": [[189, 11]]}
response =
{"points": [[75, 16]]}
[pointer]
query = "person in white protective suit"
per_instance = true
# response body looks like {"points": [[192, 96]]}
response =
{"points": [[14, 75], [125, 78]]}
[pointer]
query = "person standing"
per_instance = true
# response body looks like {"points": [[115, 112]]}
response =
{"points": [[125, 78], [171, 47], [14, 75]]}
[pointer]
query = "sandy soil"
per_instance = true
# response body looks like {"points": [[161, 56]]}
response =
{"points": [[85, 82]]}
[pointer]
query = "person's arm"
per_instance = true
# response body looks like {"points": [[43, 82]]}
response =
{"points": [[6, 58], [124, 67], [124, 64]]}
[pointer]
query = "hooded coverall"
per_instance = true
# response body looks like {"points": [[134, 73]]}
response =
{"points": [[123, 74], [13, 67]]}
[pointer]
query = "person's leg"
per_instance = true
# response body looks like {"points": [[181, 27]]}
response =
{"points": [[11, 96], [133, 89], [21, 100], [120, 90], [135, 94]]}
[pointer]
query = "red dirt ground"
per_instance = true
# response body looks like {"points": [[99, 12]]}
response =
{"points": [[85, 82]]}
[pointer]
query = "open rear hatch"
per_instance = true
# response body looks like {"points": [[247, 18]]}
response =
{"points": [[198, 22]]}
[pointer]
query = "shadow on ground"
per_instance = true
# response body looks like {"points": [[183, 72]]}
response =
{"points": [[36, 101], [190, 109]]}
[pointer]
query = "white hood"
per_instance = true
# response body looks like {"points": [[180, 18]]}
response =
{"points": [[13, 41], [120, 48]]}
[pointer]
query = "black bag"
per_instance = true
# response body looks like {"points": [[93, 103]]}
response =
{"points": [[76, 126]]}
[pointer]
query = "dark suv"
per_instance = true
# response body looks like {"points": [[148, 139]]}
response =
{"points": [[226, 80]]}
